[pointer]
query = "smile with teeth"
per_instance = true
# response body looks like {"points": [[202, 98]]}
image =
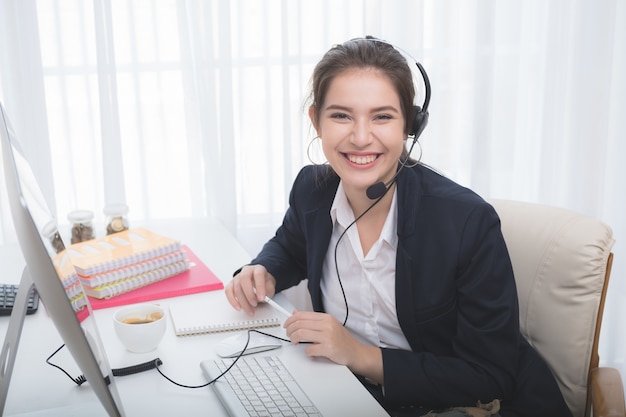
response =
{"points": [[361, 159]]}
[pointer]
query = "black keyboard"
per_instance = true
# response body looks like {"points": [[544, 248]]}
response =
{"points": [[8, 293]]}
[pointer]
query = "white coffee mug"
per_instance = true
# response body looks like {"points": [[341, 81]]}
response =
{"points": [[140, 327]]}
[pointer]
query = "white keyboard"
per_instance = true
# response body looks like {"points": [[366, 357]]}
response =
{"points": [[258, 386]]}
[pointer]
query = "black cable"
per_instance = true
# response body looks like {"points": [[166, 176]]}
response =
{"points": [[79, 381], [129, 370], [343, 293], [243, 351], [155, 363], [135, 369]]}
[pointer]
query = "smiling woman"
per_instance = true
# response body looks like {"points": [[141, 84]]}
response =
{"points": [[194, 108], [419, 300]]}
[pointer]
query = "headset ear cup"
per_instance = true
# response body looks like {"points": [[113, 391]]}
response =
{"points": [[420, 120], [416, 120]]}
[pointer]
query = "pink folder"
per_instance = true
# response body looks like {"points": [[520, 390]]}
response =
{"points": [[199, 278]]}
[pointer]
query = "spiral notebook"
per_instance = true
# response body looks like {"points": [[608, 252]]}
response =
{"points": [[198, 278], [119, 250], [176, 261], [133, 282], [217, 315]]}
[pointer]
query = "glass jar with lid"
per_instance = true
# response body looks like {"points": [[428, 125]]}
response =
{"points": [[82, 225], [116, 218]]}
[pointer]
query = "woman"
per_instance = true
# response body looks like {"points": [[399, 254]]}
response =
{"points": [[413, 291]]}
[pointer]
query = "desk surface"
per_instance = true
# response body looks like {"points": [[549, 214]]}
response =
{"points": [[36, 386]]}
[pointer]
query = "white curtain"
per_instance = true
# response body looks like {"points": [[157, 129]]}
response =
{"points": [[196, 108]]}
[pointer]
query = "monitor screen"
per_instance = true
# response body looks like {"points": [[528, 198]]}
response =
{"points": [[52, 273]]}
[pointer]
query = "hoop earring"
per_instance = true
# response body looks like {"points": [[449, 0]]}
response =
{"points": [[419, 158], [308, 152]]}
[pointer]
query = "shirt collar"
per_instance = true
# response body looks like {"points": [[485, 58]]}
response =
{"points": [[341, 214]]}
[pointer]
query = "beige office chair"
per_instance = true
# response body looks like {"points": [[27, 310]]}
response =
{"points": [[562, 263]]}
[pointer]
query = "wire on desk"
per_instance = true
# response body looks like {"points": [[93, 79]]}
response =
{"points": [[155, 363], [243, 351], [129, 370]]}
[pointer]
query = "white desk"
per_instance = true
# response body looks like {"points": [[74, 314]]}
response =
{"points": [[36, 386]]}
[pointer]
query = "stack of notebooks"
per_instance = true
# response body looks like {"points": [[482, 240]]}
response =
{"points": [[124, 261], [69, 279], [136, 265]]}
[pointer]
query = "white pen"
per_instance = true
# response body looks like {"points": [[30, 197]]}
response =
{"points": [[276, 306]]}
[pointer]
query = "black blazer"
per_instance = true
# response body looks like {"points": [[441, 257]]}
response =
{"points": [[456, 298]]}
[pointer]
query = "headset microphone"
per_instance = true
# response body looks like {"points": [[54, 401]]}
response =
{"points": [[379, 189]]}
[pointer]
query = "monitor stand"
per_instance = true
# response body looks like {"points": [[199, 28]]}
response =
{"points": [[12, 338], [9, 353]]}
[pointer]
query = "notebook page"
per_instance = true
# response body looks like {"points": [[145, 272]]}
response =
{"points": [[217, 315]]}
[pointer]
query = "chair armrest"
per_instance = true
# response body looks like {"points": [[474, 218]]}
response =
{"points": [[607, 393]]}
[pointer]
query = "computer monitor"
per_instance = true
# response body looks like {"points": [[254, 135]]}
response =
{"points": [[67, 306]]}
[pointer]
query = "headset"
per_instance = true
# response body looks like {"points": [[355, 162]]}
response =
{"points": [[420, 119]]}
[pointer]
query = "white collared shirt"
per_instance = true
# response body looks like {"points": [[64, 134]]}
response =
{"points": [[368, 281]]}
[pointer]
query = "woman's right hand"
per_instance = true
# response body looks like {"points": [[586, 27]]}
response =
{"points": [[250, 286]]}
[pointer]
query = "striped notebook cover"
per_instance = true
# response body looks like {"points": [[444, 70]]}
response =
{"points": [[174, 262], [136, 281], [198, 278], [119, 250]]}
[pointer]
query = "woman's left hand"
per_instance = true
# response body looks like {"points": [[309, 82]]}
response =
{"points": [[331, 340]]}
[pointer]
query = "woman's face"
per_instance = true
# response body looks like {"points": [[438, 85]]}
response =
{"points": [[361, 126]]}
